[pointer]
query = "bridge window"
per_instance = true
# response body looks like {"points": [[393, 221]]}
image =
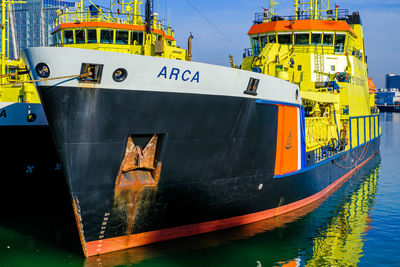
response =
{"points": [[264, 41], [57, 38], [80, 36], [256, 45], [137, 37], [316, 38], [285, 39], [107, 36], [92, 36], [68, 37], [328, 39], [302, 39], [271, 38], [339, 43], [122, 37]]}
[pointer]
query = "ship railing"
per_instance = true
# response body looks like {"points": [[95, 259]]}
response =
{"points": [[318, 135], [88, 16], [327, 151], [317, 131], [320, 49], [363, 129], [262, 17], [328, 49]]}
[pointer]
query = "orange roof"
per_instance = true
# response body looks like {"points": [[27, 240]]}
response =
{"points": [[371, 86], [109, 25], [301, 25]]}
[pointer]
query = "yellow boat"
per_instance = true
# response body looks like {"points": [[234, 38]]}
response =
{"points": [[156, 148], [321, 50], [14, 87]]}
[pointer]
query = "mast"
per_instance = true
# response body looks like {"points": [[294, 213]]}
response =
{"points": [[314, 8], [79, 15], [131, 8], [3, 39], [5, 7], [42, 26], [272, 5], [13, 33], [149, 15]]}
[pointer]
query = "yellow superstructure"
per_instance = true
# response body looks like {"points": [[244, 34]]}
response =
{"points": [[121, 29], [13, 73], [323, 51]]}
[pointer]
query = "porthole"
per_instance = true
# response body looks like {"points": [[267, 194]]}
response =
{"points": [[31, 117], [120, 75], [42, 70]]}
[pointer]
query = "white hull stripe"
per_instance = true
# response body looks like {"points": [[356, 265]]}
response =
{"points": [[147, 73]]}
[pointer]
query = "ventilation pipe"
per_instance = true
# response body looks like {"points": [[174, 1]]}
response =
{"points": [[190, 47]]}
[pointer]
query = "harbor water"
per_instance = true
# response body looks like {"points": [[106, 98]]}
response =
{"points": [[358, 225]]}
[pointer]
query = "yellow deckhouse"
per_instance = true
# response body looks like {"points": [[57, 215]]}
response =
{"points": [[121, 29]]}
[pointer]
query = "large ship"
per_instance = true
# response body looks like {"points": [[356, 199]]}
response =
{"points": [[388, 100], [157, 148]]}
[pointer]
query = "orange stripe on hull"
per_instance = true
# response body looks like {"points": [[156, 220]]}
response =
{"points": [[124, 242]]}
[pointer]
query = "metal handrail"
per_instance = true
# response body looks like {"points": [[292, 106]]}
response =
{"points": [[87, 16], [327, 151], [342, 14], [311, 48]]}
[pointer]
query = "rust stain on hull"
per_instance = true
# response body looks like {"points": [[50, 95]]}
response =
{"points": [[137, 182]]}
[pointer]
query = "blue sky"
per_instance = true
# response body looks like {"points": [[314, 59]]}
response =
{"points": [[381, 20]]}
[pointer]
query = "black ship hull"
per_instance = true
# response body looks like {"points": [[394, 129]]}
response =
{"points": [[388, 108], [34, 197], [214, 164]]}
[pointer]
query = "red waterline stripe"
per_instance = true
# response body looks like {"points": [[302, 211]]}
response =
{"points": [[129, 241]]}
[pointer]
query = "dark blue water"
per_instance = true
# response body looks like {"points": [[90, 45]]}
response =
{"points": [[382, 241], [358, 225]]}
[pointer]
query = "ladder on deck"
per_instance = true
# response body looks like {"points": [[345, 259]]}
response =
{"points": [[319, 64]]}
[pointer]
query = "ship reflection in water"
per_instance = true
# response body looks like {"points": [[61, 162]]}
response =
{"points": [[341, 243], [328, 233]]}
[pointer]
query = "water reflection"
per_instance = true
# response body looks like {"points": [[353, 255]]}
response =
{"points": [[328, 233], [341, 244], [390, 116]]}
